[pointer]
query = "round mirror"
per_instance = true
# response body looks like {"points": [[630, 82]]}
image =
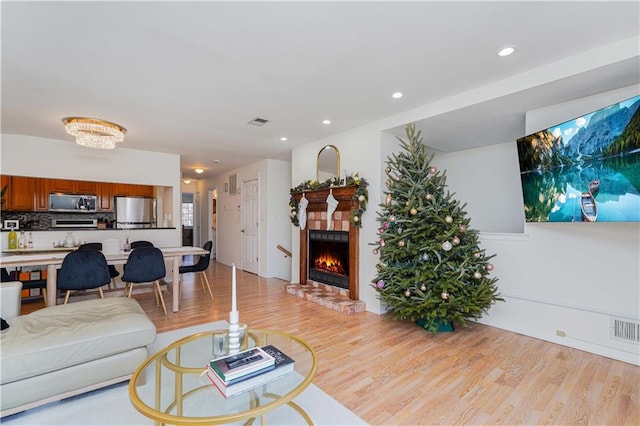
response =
{"points": [[328, 166]]}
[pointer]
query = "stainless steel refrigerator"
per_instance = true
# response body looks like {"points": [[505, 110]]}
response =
{"points": [[135, 212]]}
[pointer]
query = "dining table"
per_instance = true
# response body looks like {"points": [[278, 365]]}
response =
{"points": [[53, 259]]}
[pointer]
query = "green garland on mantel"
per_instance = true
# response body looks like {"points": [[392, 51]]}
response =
{"points": [[361, 195]]}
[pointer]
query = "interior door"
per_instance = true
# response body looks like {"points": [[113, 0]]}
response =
{"points": [[250, 220]]}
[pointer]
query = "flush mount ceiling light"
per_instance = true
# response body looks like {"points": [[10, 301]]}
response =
{"points": [[186, 181], [93, 132], [284, 139], [326, 121], [198, 170], [506, 51], [397, 95]]}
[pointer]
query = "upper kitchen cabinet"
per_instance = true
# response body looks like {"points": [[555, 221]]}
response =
{"points": [[105, 197], [73, 186], [130, 190], [5, 185], [61, 185], [42, 194], [22, 193], [84, 187]]}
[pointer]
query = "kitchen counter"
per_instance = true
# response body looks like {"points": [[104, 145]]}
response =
{"points": [[38, 250]]}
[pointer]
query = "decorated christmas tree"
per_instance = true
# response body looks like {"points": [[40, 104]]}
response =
{"points": [[431, 269]]}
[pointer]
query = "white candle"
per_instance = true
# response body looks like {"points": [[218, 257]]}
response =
{"points": [[233, 288]]}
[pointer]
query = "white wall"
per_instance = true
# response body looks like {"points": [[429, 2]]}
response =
{"points": [[49, 158], [278, 224], [494, 194]]}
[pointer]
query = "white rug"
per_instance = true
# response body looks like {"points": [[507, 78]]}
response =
{"points": [[111, 405]]}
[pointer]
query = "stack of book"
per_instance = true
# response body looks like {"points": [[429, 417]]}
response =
{"points": [[237, 373]]}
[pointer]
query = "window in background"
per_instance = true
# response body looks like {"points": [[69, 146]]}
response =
{"points": [[187, 214]]}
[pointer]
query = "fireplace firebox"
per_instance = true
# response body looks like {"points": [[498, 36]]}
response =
{"points": [[329, 257]]}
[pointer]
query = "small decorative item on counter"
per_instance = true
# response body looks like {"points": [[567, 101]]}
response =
{"points": [[30, 240], [12, 239], [127, 245], [22, 241], [69, 240]]}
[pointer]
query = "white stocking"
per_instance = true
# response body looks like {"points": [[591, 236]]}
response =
{"points": [[332, 203], [302, 211]]}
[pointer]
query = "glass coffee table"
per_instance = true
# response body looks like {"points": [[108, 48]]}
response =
{"points": [[171, 387]]}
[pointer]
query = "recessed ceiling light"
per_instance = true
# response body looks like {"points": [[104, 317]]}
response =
{"points": [[326, 121], [198, 170], [284, 138], [397, 95], [216, 161], [506, 51]]}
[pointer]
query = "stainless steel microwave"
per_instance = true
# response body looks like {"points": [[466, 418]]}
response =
{"points": [[72, 203]]}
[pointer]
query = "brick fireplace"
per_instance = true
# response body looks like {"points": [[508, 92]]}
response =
{"points": [[317, 221], [341, 296]]}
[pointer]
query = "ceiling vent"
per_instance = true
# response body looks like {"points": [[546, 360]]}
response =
{"points": [[258, 121]]}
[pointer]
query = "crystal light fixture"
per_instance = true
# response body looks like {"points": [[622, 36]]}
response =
{"points": [[93, 132]]}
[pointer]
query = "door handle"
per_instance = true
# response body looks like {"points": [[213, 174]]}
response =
{"points": [[242, 230]]}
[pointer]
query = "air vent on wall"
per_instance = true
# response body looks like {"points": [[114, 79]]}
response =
{"points": [[258, 121], [233, 184], [624, 329]]}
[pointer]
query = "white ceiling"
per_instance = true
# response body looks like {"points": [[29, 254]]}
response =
{"points": [[186, 77]]}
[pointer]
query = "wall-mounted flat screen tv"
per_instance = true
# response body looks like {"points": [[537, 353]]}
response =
{"points": [[586, 169]]}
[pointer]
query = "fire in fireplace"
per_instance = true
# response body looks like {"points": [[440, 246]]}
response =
{"points": [[329, 257]]}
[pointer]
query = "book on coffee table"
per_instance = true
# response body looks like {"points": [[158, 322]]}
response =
{"points": [[283, 366], [241, 364]]}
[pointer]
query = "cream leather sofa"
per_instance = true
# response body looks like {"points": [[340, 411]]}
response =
{"points": [[65, 350]]}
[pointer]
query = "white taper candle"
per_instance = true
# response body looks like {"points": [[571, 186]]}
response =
{"points": [[233, 288]]}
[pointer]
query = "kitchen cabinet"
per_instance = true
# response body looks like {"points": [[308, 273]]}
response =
{"points": [[84, 187], [142, 191], [61, 185], [42, 194], [32, 194], [131, 190], [22, 193], [105, 196], [67, 186], [5, 182]]}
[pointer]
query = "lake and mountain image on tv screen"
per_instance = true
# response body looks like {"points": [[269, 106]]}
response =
{"points": [[586, 169]]}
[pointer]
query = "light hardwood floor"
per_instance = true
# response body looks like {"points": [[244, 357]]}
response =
{"points": [[394, 373]]}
